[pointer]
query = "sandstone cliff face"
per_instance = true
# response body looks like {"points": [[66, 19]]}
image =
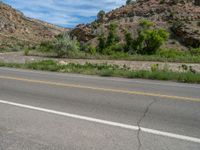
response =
{"points": [[15, 28], [163, 12]]}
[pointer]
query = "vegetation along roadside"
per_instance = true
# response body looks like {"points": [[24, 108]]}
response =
{"points": [[189, 76]]}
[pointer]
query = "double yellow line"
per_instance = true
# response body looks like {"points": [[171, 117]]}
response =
{"points": [[102, 89]]}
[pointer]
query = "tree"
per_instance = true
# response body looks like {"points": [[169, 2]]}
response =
{"points": [[129, 2], [150, 39], [101, 15], [102, 42], [112, 35]]}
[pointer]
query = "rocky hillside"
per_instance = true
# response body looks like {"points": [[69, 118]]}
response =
{"points": [[180, 17], [17, 30]]}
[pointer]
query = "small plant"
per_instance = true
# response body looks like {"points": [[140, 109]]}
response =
{"points": [[166, 67], [191, 69], [92, 50], [176, 25], [184, 67], [154, 67], [26, 51], [195, 51]]}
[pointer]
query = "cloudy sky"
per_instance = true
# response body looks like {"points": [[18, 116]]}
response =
{"points": [[67, 13]]}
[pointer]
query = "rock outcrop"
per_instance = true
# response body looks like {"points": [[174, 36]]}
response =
{"points": [[163, 12], [19, 30]]}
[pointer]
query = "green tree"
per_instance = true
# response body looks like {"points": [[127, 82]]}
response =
{"points": [[129, 2], [129, 42], [102, 42], [150, 39], [101, 15], [112, 35]]}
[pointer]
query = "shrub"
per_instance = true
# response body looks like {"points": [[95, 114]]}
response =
{"points": [[26, 51], [154, 67], [112, 35], [129, 42], [195, 51], [146, 24], [150, 40], [102, 42], [176, 25], [46, 46], [92, 50], [170, 53], [65, 45], [113, 49]]}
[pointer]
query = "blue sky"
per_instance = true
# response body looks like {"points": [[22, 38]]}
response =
{"points": [[67, 13]]}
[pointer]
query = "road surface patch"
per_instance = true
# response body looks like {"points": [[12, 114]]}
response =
{"points": [[101, 89], [105, 122]]}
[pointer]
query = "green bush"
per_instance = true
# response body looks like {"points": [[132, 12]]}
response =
{"points": [[112, 35], [170, 53], [150, 40], [195, 51], [176, 25], [110, 50], [64, 45], [92, 50], [26, 51], [102, 42], [109, 70], [46, 46]]}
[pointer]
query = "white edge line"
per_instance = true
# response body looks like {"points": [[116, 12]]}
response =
{"points": [[116, 124], [102, 78]]}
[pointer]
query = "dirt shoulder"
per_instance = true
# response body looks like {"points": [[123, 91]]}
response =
{"points": [[18, 57]]}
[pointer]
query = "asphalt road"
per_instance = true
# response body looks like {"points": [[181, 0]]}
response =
{"points": [[54, 111]]}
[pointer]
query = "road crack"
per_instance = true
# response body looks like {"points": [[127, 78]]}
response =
{"points": [[139, 122]]}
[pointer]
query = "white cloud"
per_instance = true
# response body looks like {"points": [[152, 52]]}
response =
{"points": [[64, 12]]}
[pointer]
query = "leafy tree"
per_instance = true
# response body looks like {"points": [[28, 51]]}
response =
{"points": [[150, 39], [129, 42], [100, 15], [112, 35], [129, 2], [102, 42]]}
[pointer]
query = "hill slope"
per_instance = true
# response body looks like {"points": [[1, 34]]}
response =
{"points": [[180, 17], [17, 30]]}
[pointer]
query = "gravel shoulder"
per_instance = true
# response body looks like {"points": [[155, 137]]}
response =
{"points": [[18, 57]]}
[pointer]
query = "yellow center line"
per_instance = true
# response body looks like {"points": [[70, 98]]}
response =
{"points": [[102, 89]]}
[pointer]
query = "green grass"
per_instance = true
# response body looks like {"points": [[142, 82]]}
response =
{"points": [[166, 56], [107, 70]]}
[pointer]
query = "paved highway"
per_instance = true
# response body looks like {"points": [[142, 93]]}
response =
{"points": [[54, 111]]}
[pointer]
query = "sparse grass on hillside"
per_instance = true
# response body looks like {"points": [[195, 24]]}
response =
{"points": [[108, 70]]}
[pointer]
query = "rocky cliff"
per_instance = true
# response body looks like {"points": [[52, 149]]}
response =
{"points": [[17, 30], [180, 17]]}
